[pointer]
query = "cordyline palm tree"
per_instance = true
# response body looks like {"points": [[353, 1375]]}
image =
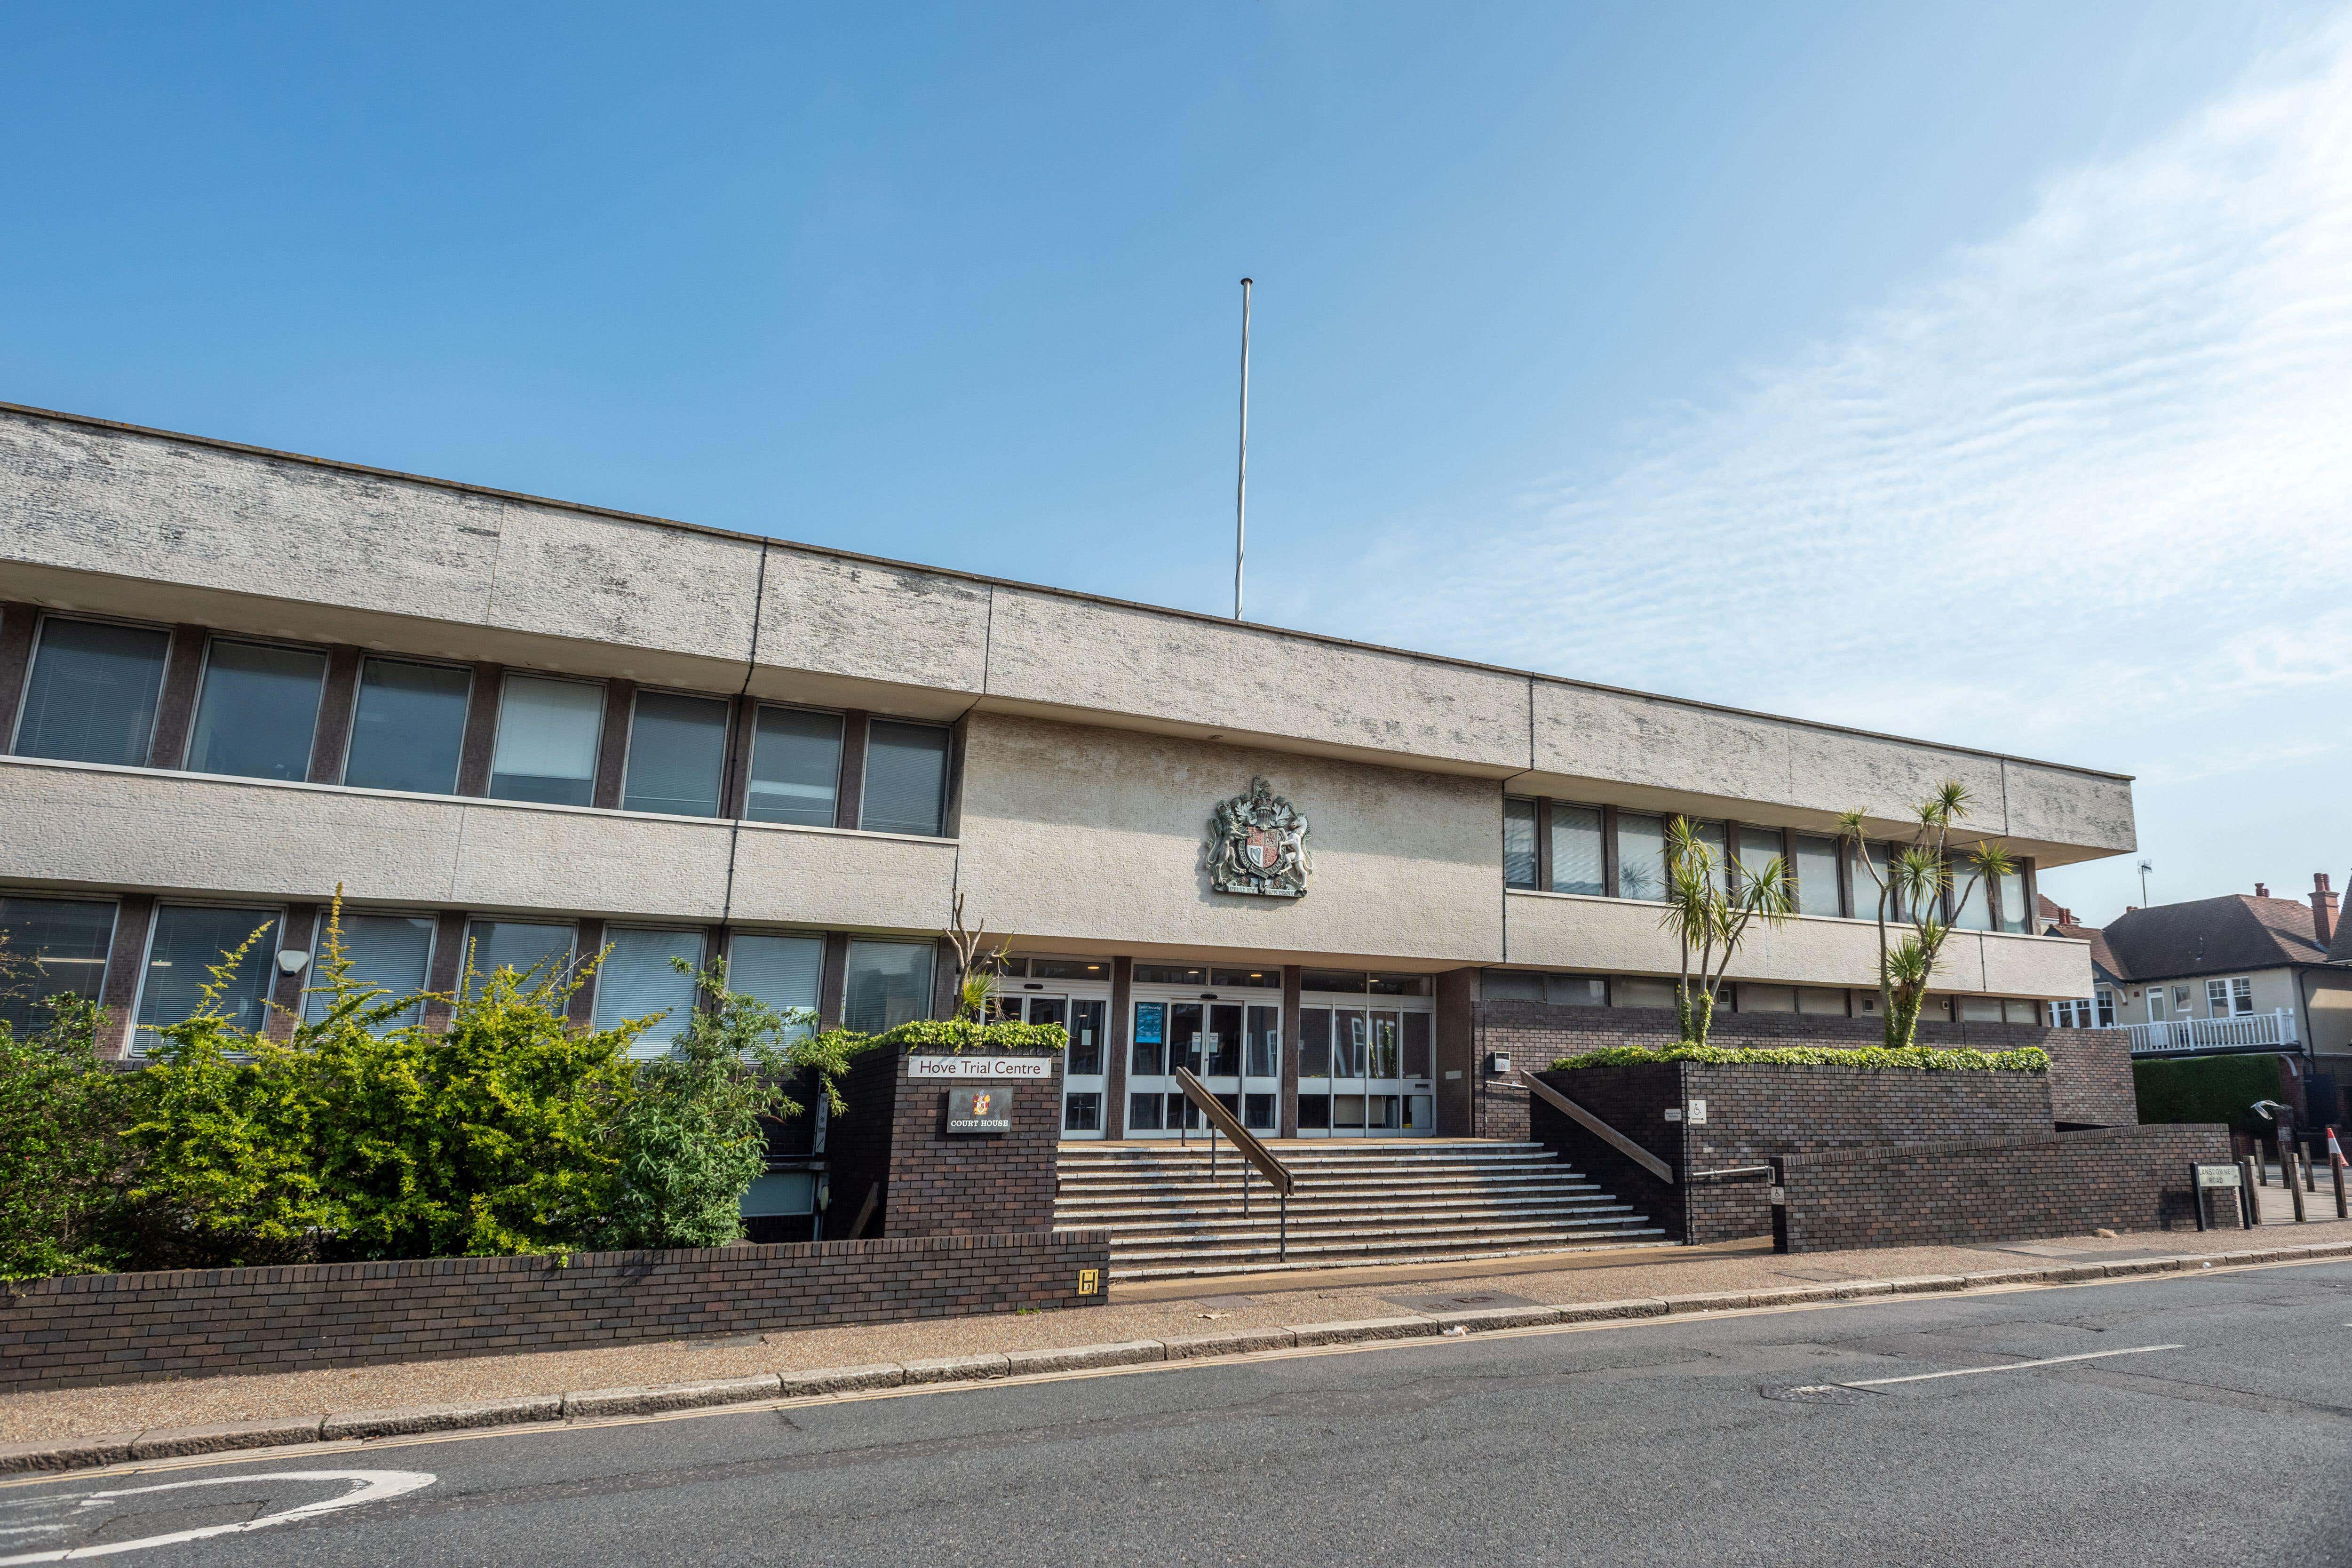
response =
{"points": [[1711, 914], [1910, 895]]}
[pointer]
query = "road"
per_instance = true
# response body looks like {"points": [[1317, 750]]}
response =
{"points": [[1742, 1440]]}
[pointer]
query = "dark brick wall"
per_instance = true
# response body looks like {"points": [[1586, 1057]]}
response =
{"points": [[1756, 1112], [1995, 1189], [2090, 1070], [894, 1133], [125, 1328]]}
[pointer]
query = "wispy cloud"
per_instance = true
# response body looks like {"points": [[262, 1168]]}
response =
{"points": [[2098, 470]]}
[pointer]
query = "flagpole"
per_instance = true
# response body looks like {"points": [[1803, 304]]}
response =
{"points": [[1240, 481]]}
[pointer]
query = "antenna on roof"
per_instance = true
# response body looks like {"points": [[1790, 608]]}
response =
{"points": [[1240, 481], [2144, 869]]}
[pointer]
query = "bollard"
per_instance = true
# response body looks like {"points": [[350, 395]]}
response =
{"points": [[2252, 1201], [2286, 1175], [2336, 1169], [2310, 1178]]}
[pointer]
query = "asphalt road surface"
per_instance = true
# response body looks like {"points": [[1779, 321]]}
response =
{"points": [[2205, 1419]]}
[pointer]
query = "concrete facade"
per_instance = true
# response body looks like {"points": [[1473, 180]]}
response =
{"points": [[1092, 741]]}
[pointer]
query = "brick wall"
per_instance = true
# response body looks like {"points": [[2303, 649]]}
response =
{"points": [[2090, 1070], [1995, 1189], [1756, 1112], [123, 1328], [932, 1183]]}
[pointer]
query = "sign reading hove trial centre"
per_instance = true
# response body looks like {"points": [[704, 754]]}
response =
{"points": [[980, 1067]]}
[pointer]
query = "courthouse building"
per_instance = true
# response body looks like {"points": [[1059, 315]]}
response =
{"points": [[1340, 880]]}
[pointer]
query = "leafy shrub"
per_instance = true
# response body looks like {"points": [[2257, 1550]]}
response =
{"points": [[2207, 1089], [2030, 1058], [61, 1155], [961, 1035]]}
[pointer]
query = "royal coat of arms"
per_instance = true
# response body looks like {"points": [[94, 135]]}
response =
{"points": [[1258, 843]]}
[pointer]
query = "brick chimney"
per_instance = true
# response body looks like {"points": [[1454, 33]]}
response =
{"points": [[2262, 890], [2322, 908]]}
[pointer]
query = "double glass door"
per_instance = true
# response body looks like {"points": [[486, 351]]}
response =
{"points": [[1083, 1075], [1365, 1072], [1234, 1048]]}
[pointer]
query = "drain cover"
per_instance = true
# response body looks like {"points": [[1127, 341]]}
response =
{"points": [[1459, 1301]]}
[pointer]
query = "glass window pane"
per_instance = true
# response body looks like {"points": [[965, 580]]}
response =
{"points": [[889, 984], [1576, 850], [1347, 982], [1711, 835], [408, 727], [548, 732], [1755, 998], [1641, 856], [1869, 890], [1169, 974], [91, 698], [1510, 985], [2012, 903], [1151, 1046], [781, 971], [49, 946], [1399, 985], [1518, 843], [639, 977], [1817, 875], [1417, 1045], [677, 748], [1575, 990], [258, 711], [795, 767], [906, 778], [388, 951], [188, 941], [1820, 1000], [1637, 991], [520, 945], [1759, 848], [1975, 911], [1315, 1042], [780, 1193]]}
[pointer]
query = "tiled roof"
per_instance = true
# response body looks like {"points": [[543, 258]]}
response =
{"points": [[2212, 936]]}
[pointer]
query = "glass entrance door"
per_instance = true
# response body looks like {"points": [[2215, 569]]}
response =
{"points": [[1365, 1072], [1234, 1048], [1083, 1074]]}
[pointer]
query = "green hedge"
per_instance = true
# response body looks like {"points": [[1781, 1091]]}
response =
{"points": [[961, 1035], [2207, 1089], [2031, 1058]]}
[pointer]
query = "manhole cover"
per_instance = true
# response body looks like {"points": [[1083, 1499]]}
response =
{"points": [[1459, 1301], [1225, 1300]]}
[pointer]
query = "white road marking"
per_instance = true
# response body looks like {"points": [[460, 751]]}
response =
{"points": [[366, 1486], [2004, 1366]]}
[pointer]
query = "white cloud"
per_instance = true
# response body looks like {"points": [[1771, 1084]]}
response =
{"points": [[2099, 472]]}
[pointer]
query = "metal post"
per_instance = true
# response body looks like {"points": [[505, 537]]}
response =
{"points": [[1246, 1186], [1285, 1232], [1241, 478], [2250, 1163], [2286, 1175], [1212, 1150], [2336, 1169], [2310, 1177]]}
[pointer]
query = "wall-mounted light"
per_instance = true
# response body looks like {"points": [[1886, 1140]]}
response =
{"points": [[293, 960]]}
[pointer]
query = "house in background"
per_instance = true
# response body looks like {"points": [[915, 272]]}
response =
{"points": [[2235, 974]]}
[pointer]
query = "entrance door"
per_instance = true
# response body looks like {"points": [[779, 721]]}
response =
{"points": [[1365, 1072], [1083, 1074]]}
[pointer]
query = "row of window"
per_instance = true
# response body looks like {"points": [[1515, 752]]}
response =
{"points": [[1017, 972], [1740, 996], [94, 687], [62, 944], [1573, 856]]}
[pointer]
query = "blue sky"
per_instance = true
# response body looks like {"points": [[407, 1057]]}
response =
{"points": [[1980, 373]]}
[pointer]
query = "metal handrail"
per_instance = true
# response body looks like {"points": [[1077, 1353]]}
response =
{"points": [[1599, 1129], [1254, 1153]]}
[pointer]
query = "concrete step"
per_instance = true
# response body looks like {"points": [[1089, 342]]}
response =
{"points": [[1141, 1238], [1266, 1260]]}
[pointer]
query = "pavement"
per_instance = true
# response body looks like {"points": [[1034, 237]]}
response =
{"points": [[2134, 1421], [1139, 1313]]}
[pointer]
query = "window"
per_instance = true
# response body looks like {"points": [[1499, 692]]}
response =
{"points": [[1980, 1009], [523, 946], [1169, 974], [1510, 985], [91, 696], [1400, 986], [1641, 856], [2019, 1010], [677, 748], [1710, 834], [2012, 901], [1868, 866], [1346, 981], [889, 984], [2228, 998], [189, 941], [1972, 904], [639, 977], [795, 767], [1818, 1000], [1638, 991], [258, 711], [2106, 999], [1755, 998], [1576, 850], [50, 947], [391, 954], [1518, 843], [1816, 866], [781, 971], [1576, 990], [1239, 979], [548, 732], [906, 778], [1759, 848], [408, 727]]}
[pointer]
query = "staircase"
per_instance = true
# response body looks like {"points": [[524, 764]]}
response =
{"points": [[1424, 1200]]}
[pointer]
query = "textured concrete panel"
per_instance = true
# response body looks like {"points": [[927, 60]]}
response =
{"points": [[2055, 805], [1087, 833], [860, 881], [2035, 966], [604, 579], [862, 619], [1248, 681], [109, 502], [182, 832], [595, 862]]}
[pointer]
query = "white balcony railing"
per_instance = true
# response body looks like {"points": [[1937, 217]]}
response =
{"points": [[2252, 1031]]}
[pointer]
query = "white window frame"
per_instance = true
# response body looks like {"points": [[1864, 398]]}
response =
{"points": [[318, 946], [358, 684], [727, 740], [33, 657], [865, 769], [596, 760], [131, 1049], [203, 674]]}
